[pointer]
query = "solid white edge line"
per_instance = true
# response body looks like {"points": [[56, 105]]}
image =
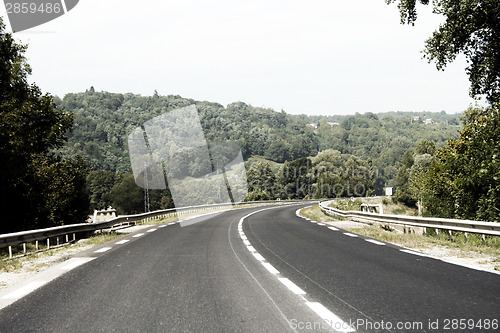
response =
{"points": [[292, 286], [329, 317], [23, 291], [374, 241]]}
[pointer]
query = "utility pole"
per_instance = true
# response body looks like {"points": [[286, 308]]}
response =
{"points": [[146, 188]]}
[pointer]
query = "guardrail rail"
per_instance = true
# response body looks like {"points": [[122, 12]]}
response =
{"points": [[466, 226], [12, 239]]}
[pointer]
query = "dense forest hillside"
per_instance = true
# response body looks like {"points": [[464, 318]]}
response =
{"points": [[103, 120]]}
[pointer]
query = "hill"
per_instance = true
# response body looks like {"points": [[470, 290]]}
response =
{"points": [[103, 120]]}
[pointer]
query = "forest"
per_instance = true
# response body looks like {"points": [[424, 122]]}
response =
{"points": [[279, 141]]}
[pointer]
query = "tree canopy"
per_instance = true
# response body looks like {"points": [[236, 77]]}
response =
{"points": [[471, 27], [37, 187]]}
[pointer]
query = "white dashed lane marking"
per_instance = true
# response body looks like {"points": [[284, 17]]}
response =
{"points": [[333, 228], [258, 256], [75, 262], [350, 235], [151, 230], [138, 235], [292, 286], [374, 241], [101, 250], [270, 268], [329, 317], [123, 241]]}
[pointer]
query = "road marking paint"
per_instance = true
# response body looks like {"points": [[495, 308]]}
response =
{"points": [[333, 228], [138, 235], [374, 241], [151, 230], [322, 224], [246, 242], [258, 256], [251, 248], [23, 291], [122, 241], [270, 268], [162, 226], [101, 250], [292, 286], [75, 262], [415, 253], [350, 235], [329, 317]]}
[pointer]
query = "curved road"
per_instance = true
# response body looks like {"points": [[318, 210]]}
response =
{"points": [[270, 272]]}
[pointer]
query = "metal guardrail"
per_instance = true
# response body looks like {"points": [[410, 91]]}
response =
{"points": [[467, 226], [23, 237]]}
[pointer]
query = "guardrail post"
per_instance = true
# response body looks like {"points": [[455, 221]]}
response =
{"points": [[74, 238], [57, 240], [48, 243], [24, 248], [10, 251], [36, 245], [67, 238]]}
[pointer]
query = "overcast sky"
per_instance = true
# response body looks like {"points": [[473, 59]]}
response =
{"points": [[314, 57]]}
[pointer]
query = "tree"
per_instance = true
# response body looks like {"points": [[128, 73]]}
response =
{"points": [[127, 197], [37, 188], [472, 27], [417, 180], [464, 180]]}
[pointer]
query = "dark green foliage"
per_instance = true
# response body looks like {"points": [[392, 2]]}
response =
{"points": [[127, 197], [471, 27], [38, 188], [99, 184], [384, 138], [464, 180]]}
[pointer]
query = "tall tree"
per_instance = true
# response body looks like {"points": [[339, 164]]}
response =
{"points": [[471, 27], [32, 177], [464, 179]]}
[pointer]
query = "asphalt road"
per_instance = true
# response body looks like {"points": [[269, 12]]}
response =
{"points": [[272, 272]]}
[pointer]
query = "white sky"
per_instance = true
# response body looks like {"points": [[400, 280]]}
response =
{"points": [[313, 57]]}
